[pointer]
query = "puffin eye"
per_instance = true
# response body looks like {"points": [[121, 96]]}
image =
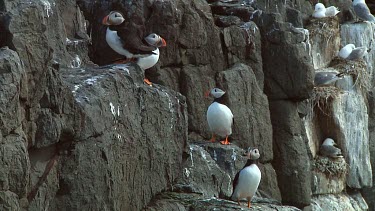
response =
{"points": [[154, 36], [215, 90]]}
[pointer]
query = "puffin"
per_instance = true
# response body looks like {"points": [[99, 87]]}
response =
{"points": [[126, 38], [219, 116], [247, 180], [149, 61]]}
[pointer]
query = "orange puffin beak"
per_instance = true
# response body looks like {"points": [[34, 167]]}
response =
{"points": [[163, 43], [105, 20], [207, 94]]}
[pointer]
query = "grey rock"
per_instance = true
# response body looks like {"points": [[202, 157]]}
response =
{"points": [[291, 160], [348, 202], [243, 45], [251, 126], [369, 193], [170, 200], [9, 201], [225, 21], [349, 106], [15, 165], [288, 69], [12, 75], [119, 114], [202, 175]]}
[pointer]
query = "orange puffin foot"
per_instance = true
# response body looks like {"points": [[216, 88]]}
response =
{"points": [[225, 142], [148, 82], [239, 202], [213, 139], [248, 204]]}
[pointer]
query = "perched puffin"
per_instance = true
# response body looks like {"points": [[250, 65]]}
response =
{"points": [[219, 116], [247, 180], [126, 37], [149, 61]]}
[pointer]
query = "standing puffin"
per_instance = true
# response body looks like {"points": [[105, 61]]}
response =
{"points": [[149, 61], [247, 180], [126, 37], [219, 116]]}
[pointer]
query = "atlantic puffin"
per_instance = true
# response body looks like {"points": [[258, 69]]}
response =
{"points": [[219, 116], [126, 37], [247, 180], [149, 61]]}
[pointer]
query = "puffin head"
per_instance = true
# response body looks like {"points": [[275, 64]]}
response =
{"points": [[114, 18], [215, 92], [155, 40], [253, 153]]}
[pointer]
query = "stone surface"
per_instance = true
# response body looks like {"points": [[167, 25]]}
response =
{"points": [[324, 40], [291, 160], [201, 174], [9, 201], [118, 114], [351, 119], [288, 69], [338, 202], [184, 201]]}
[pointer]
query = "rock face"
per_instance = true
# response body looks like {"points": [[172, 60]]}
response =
{"points": [[78, 136]]}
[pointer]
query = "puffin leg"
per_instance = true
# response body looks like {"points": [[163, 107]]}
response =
{"points": [[248, 204], [225, 142], [148, 82], [213, 139], [238, 202]]}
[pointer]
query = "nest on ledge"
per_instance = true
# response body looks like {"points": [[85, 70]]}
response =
{"points": [[323, 96], [357, 69], [332, 168]]}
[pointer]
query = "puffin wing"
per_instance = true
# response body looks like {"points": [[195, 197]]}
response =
{"points": [[132, 36], [235, 181]]}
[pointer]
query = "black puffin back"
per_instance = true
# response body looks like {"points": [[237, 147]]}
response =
{"points": [[219, 100]]}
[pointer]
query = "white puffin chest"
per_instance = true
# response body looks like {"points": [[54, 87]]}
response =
{"points": [[248, 182], [220, 119], [149, 61]]}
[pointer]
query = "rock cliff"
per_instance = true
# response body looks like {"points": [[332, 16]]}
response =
{"points": [[79, 136]]}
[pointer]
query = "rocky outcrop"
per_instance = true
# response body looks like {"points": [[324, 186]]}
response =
{"points": [[76, 136]]}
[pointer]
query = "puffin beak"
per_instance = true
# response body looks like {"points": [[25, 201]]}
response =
{"points": [[105, 21], [163, 42], [207, 94]]}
